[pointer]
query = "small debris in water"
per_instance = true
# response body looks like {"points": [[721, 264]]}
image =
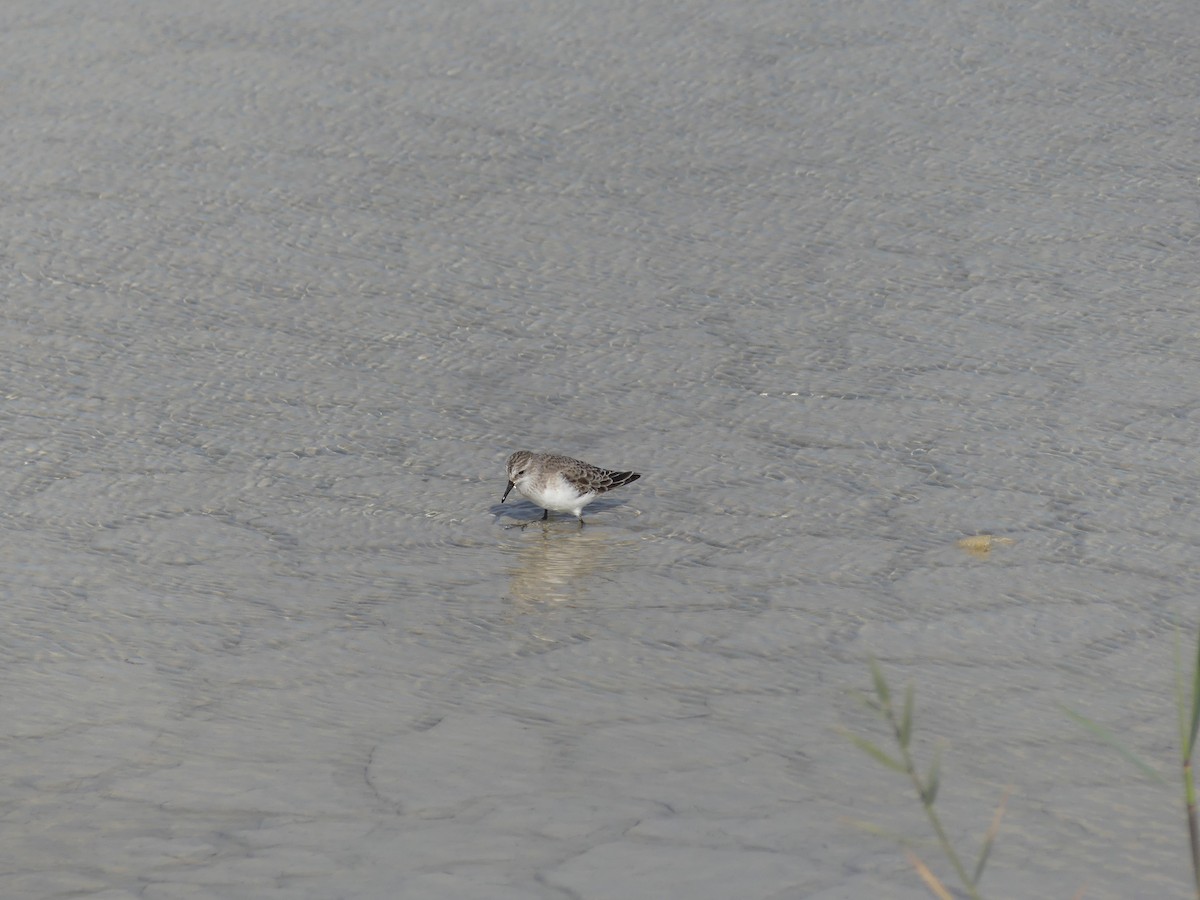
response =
{"points": [[982, 544]]}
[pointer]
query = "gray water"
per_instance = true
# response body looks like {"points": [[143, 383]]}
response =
{"points": [[284, 285]]}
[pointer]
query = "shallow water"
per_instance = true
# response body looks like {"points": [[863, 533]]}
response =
{"points": [[286, 284]]}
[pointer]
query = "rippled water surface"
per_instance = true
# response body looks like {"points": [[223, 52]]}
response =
{"points": [[284, 285]]}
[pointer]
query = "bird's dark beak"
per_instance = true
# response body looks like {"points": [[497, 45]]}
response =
{"points": [[506, 490]]}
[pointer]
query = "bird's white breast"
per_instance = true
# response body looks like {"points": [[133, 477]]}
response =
{"points": [[555, 493]]}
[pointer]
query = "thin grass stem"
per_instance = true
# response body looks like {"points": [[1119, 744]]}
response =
{"points": [[1189, 790], [1187, 746], [902, 724]]}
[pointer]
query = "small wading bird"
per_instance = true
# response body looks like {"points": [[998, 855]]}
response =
{"points": [[560, 483]]}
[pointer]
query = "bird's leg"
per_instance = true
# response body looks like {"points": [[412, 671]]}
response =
{"points": [[545, 514]]}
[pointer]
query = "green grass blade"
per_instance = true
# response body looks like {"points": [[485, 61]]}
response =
{"points": [[990, 838], [1181, 702], [1189, 790], [984, 852], [933, 780], [1191, 743], [907, 720], [881, 687], [873, 751], [1107, 737]]}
